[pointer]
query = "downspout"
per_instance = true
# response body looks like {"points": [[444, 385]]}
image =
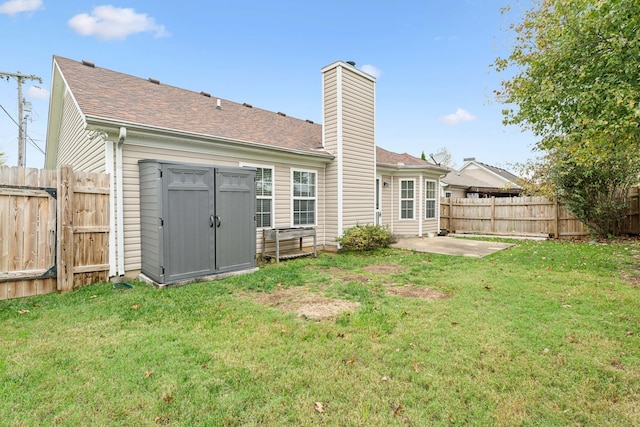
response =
{"points": [[109, 167], [120, 201], [420, 204], [339, 154], [394, 203], [438, 211], [324, 202]]}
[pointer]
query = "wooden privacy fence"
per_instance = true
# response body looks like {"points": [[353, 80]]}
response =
{"points": [[522, 216], [54, 230]]}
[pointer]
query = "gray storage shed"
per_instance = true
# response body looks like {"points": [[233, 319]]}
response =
{"points": [[196, 220]]}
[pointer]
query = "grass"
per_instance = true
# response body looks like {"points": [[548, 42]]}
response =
{"points": [[542, 334]]}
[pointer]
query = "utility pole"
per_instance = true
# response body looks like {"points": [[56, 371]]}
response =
{"points": [[20, 78]]}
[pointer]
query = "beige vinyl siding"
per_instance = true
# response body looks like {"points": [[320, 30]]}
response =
{"points": [[388, 206], [391, 205], [349, 135], [358, 150], [330, 129], [488, 177], [131, 194], [456, 192], [406, 227], [78, 147]]}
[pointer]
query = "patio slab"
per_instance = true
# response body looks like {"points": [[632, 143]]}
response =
{"points": [[451, 246]]}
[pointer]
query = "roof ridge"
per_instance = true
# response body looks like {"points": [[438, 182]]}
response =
{"points": [[173, 86]]}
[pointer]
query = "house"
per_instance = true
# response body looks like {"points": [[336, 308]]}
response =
{"points": [[476, 179], [329, 176]]}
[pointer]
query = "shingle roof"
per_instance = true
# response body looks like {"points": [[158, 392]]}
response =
{"points": [[502, 172], [107, 94], [460, 179], [390, 158]]}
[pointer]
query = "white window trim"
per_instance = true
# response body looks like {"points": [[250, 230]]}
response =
{"points": [[273, 190], [315, 198], [434, 198], [400, 199]]}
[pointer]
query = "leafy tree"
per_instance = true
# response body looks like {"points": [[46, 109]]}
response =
{"points": [[577, 87]]}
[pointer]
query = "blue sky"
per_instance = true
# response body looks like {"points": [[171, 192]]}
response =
{"points": [[431, 59]]}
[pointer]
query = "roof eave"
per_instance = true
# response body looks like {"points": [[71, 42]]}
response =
{"points": [[94, 121], [397, 167]]}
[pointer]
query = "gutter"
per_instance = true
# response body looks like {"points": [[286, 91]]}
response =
{"points": [[401, 167]]}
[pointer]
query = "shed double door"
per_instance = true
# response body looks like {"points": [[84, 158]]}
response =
{"points": [[207, 222]]}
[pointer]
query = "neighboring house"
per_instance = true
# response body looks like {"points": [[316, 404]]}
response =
{"points": [[329, 176], [476, 179]]}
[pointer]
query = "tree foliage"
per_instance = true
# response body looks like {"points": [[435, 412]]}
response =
{"points": [[577, 87]]}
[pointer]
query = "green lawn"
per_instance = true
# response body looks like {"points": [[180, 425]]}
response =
{"points": [[542, 334]]}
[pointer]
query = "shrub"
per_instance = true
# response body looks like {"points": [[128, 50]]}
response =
{"points": [[365, 238]]}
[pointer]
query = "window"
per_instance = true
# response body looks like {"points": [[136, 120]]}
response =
{"points": [[447, 194], [304, 197], [406, 198], [429, 199], [264, 197]]}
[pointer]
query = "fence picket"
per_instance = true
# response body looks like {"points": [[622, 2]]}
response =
{"points": [[30, 242], [522, 215]]}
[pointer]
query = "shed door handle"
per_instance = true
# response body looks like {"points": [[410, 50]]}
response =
{"points": [[217, 221], [211, 221]]}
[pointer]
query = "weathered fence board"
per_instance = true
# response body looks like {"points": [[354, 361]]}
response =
{"points": [[54, 230], [522, 216]]}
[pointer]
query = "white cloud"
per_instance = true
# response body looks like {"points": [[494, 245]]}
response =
{"points": [[12, 7], [371, 70], [461, 115], [36, 92], [112, 23]]}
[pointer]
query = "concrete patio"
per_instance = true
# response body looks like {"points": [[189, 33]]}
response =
{"points": [[451, 246]]}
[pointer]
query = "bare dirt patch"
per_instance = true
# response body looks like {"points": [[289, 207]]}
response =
{"points": [[384, 269], [360, 278], [633, 278], [303, 303], [413, 292]]}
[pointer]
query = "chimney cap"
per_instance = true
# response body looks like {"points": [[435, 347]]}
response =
{"points": [[352, 63]]}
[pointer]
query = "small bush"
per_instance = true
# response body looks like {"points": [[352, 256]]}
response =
{"points": [[365, 238]]}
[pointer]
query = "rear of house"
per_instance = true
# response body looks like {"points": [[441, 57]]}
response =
{"points": [[307, 175]]}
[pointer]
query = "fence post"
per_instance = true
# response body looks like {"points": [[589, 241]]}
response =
{"points": [[635, 219], [493, 214], [556, 218], [451, 229], [65, 229]]}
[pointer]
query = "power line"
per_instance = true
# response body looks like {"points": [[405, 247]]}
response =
{"points": [[33, 143], [20, 78]]}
